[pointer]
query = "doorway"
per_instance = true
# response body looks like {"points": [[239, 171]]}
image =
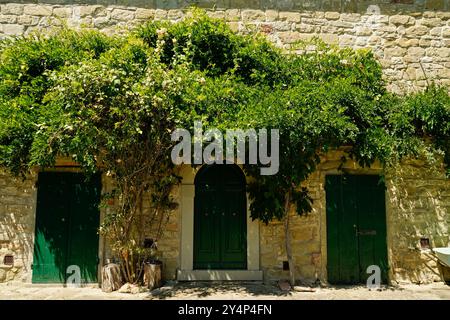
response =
{"points": [[66, 233], [220, 218], [356, 227]]}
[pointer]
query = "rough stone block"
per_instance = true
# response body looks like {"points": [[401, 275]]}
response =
{"points": [[12, 8], [444, 15], [346, 40], [289, 16], [332, 15], [271, 15], [8, 19], [101, 22], [122, 15], [38, 10], [417, 31], [329, 38], [62, 12], [401, 20], [253, 15], [13, 29], [416, 52], [406, 43], [351, 17], [433, 22], [446, 32], [95, 10], [144, 13], [364, 31], [174, 15]]}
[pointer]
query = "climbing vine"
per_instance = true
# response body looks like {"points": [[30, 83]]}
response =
{"points": [[111, 102]]}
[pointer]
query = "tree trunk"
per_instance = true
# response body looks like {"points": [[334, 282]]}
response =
{"points": [[111, 278], [287, 239]]}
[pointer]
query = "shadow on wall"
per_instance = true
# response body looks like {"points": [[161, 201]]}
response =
{"points": [[350, 6], [17, 243], [418, 219], [16, 226]]}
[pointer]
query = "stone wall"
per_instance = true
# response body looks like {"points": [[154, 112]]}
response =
{"points": [[410, 37], [17, 210], [169, 241], [417, 206]]}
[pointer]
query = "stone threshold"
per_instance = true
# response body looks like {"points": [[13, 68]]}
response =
{"points": [[219, 275]]}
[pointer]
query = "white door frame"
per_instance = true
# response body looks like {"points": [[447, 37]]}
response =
{"points": [[186, 271]]}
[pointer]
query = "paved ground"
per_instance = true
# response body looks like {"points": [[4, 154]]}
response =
{"points": [[228, 291]]}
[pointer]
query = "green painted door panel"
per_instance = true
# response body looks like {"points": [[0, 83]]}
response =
{"points": [[206, 237], [84, 222], [51, 231], [67, 220], [233, 224], [220, 225], [347, 235], [372, 228], [356, 227]]}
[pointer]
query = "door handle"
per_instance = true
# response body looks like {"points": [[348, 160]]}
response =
{"points": [[367, 233], [364, 232]]}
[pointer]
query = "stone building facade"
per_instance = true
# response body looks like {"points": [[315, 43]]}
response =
{"points": [[412, 40]]}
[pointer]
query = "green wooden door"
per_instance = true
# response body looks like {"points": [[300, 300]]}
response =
{"points": [[356, 228], [67, 219], [220, 240]]}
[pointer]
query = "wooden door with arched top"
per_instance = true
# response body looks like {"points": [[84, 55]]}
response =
{"points": [[220, 218]]}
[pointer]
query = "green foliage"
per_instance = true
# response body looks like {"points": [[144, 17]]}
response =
{"points": [[428, 113], [111, 103], [26, 64], [207, 44]]}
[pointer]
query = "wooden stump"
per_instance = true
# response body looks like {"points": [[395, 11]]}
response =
{"points": [[111, 278], [152, 275]]}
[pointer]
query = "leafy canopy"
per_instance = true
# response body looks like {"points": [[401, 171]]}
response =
{"points": [[111, 103]]}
